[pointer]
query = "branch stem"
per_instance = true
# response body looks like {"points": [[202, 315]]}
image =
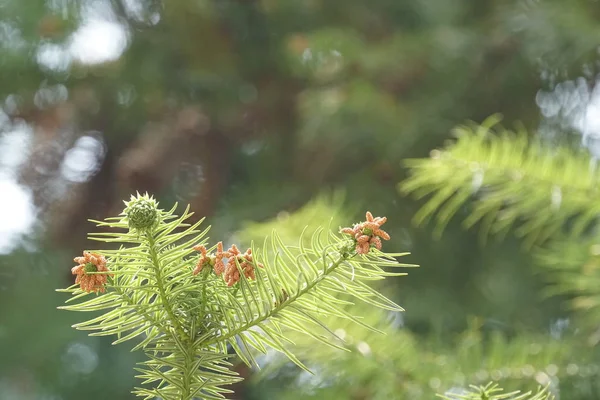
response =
{"points": [[326, 271]]}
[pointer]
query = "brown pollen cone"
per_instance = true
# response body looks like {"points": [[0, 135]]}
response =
{"points": [[204, 259], [246, 262], [90, 262], [367, 234]]}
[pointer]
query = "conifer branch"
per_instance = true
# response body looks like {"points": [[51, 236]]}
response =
{"points": [[185, 318], [512, 180]]}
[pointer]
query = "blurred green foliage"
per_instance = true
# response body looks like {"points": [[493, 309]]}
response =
{"points": [[248, 109], [493, 392]]}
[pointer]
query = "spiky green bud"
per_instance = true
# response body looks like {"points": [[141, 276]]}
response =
{"points": [[141, 212]]}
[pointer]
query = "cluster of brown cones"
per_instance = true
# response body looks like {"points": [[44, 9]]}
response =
{"points": [[230, 272], [367, 234]]}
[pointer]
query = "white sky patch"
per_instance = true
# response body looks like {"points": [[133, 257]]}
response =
{"points": [[83, 160], [573, 104], [98, 41], [141, 11], [53, 57], [14, 147], [134, 8], [16, 213], [591, 122]]}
